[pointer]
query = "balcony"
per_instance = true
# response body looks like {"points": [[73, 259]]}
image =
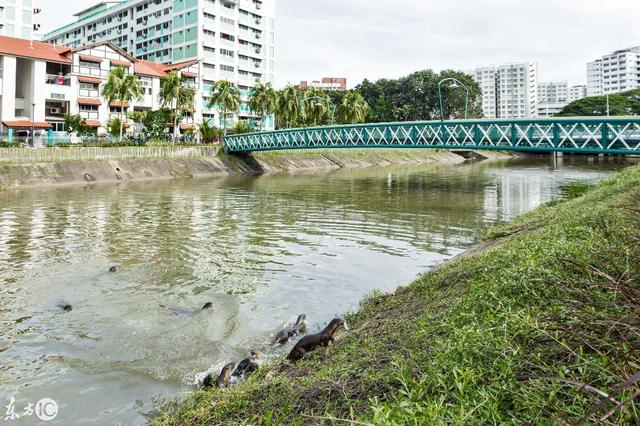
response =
{"points": [[58, 80]]}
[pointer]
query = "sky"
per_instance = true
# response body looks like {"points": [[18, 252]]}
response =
{"points": [[376, 39]]}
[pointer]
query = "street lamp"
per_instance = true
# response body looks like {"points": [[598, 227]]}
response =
{"points": [[455, 83], [333, 107]]}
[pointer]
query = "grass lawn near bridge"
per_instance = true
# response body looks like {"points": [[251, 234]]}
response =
{"points": [[539, 326]]}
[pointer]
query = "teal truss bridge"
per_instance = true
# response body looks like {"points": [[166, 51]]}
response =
{"points": [[603, 135]]}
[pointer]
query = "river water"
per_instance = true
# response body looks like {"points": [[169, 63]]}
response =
{"points": [[262, 249]]}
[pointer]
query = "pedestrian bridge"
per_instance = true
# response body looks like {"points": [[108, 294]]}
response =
{"points": [[603, 135]]}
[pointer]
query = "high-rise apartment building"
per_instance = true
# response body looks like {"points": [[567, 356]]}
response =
{"points": [[613, 73], [510, 90], [486, 77], [16, 18], [233, 39], [552, 97]]}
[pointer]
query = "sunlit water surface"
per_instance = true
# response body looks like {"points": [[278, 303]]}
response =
{"points": [[262, 249]]}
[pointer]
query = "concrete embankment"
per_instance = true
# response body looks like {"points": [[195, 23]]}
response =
{"points": [[80, 166]]}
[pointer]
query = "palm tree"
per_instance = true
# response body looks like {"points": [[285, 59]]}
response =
{"points": [[226, 97], [317, 107], [288, 106], [208, 132], [121, 87], [263, 100], [176, 94], [353, 109]]}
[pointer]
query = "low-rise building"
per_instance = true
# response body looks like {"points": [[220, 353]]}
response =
{"points": [[40, 83], [326, 83]]}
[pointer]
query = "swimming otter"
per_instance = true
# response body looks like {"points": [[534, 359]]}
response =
{"points": [[311, 342], [66, 307], [247, 365], [223, 378], [113, 269], [188, 312], [285, 335]]}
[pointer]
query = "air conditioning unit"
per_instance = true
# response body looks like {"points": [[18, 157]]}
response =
{"points": [[257, 64], [54, 110], [258, 5], [258, 22], [258, 50], [258, 35]]}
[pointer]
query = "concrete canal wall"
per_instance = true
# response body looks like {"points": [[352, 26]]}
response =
{"points": [[25, 167]]}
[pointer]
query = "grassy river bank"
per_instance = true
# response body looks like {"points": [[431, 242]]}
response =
{"points": [[540, 326]]}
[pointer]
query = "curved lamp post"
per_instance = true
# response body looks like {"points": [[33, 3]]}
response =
{"points": [[334, 107], [455, 83]]}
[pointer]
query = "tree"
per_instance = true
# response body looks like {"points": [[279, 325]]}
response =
{"points": [[625, 103], [353, 109], [177, 95], [155, 123], [415, 97], [225, 96], [208, 132], [288, 107], [263, 101], [317, 107], [121, 87], [78, 125]]}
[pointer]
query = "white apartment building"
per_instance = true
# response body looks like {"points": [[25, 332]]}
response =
{"points": [[613, 73], [577, 92], [552, 97], [233, 39], [40, 83], [509, 90], [487, 79], [16, 18]]}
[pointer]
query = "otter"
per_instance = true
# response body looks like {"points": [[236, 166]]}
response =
{"points": [[311, 342], [113, 269], [188, 312], [66, 307], [285, 335], [222, 380], [247, 365]]}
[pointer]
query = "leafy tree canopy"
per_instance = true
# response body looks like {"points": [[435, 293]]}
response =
{"points": [[625, 103]]}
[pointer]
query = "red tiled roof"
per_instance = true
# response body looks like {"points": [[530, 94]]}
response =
{"points": [[90, 58], [89, 80], [185, 126], [27, 124], [34, 50], [120, 63], [89, 101], [118, 104], [93, 123], [148, 68], [189, 74], [181, 65]]}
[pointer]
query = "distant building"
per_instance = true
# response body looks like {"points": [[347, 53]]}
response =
{"points": [[487, 79], [577, 92], [510, 90], [16, 18], [552, 97], [613, 73], [327, 83]]}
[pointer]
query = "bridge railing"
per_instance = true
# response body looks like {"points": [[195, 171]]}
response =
{"points": [[588, 135]]}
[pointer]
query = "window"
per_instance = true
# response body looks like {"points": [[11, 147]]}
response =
{"points": [[227, 68], [226, 52], [88, 108], [88, 64]]}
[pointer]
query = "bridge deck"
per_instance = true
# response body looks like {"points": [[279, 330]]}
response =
{"points": [[610, 135]]}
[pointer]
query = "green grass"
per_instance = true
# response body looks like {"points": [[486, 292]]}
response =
{"points": [[534, 330]]}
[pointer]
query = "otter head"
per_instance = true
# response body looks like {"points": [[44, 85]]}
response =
{"points": [[67, 308], [338, 323], [301, 319], [113, 269], [256, 354], [207, 305]]}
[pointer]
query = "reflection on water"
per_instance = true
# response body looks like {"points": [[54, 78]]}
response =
{"points": [[262, 249]]}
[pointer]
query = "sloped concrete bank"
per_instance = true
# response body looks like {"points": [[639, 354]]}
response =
{"points": [[121, 170]]}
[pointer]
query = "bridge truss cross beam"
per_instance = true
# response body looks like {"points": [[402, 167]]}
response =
{"points": [[609, 135]]}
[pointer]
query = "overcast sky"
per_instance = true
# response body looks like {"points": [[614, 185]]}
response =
{"points": [[375, 38]]}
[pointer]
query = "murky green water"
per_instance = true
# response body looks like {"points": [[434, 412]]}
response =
{"points": [[261, 249]]}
